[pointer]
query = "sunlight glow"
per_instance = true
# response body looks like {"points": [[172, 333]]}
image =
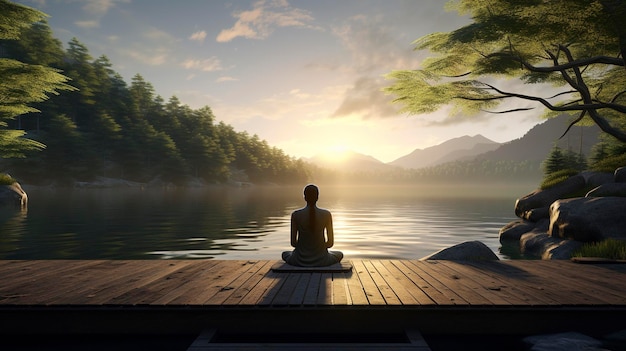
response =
{"points": [[337, 153]]}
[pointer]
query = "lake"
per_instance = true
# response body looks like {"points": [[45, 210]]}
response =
{"points": [[403, 222]]}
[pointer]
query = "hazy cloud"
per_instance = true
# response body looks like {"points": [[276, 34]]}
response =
{"points": [[156, 58], [375, 50], [365, 98], [198, 36], [87, 24], [208, 65], [226, 79], [265, 16], [101, 7]]}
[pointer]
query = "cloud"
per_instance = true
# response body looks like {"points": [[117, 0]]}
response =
{"points": [[208, 65], [155, 58], [198, 36], [365, 98], [226, 79], [101, 7], [373, 49], [87, 24], [263, 19]]}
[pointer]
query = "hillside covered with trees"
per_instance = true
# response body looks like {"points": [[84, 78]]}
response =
{"points": [[104, 126]]}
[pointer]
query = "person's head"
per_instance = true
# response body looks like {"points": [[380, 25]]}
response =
{"points": [[311, 193]]}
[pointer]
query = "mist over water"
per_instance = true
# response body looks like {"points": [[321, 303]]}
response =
{"points": [[404, 222]]}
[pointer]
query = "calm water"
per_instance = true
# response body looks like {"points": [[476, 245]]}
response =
{"points": [[229, 223]]}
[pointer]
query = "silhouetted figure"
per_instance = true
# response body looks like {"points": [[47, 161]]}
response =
{"points": [[307, 234]]}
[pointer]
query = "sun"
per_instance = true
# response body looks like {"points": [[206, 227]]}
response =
{"points": [[337, 153]]}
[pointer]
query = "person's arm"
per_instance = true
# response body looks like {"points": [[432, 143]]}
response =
{"points": [[294, 230], [329, 232]]}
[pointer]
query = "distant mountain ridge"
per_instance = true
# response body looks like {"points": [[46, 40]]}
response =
{"points": [[462, 148], [534, 146], [348, 161], [537, 143]]}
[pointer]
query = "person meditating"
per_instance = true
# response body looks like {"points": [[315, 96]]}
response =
{"points": [[307, 234]]}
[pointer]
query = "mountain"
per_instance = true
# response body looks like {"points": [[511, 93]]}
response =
{"points": [[457, 149], [348, 161], [537, 143]]}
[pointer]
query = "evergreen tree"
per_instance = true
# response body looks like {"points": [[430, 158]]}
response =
{"points": [[22, 84]]}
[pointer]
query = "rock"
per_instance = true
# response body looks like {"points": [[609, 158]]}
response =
{"points": [[570, 341], [466, 251], [512, 232], [588, 218], [544, 198], [594, 179], [620, 175], [537, 214], [536, 243], [13, 195], [609, 189], [562, 251]]}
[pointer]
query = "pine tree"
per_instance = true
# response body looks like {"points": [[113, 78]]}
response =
{"points": [[22, 84]]}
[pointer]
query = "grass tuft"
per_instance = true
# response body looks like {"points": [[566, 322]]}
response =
{"points": [[557, 177], [609, 164], [610, 248]]}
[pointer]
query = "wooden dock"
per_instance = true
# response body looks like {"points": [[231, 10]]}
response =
{"points": [[246, 297]]}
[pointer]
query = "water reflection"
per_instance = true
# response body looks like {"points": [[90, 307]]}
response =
{"points": [[251, 223]]}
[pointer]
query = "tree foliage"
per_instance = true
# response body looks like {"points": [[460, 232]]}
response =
{"points": [[574, 45], [106, 127], [22, 84]]}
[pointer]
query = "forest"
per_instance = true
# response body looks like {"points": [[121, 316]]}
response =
{"points": [[107, 127], [92, 124]]}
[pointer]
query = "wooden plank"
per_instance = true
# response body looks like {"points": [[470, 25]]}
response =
{"points": [[290, 281], [325, 291], [386, 291], [369, 286], [577, 288], [244, 289], [47, 271], [263, 293], [517, 280], [163, 289], [299, 292], [408, 270], [373, 282], [312, 291], [546, 285], [96, 291], [12, 268], [356, 290], [420, 297], [340, 290], [207, 283], [41, 287], [452, 282], [232, 280], [442, 293], [474, 281], [483, 283], [398, 287]]}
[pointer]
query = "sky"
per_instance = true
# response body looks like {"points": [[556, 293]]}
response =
{"points": [[304, 75]]}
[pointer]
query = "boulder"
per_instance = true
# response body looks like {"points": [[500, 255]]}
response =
{"points": [[537, 243], [13, 195], [609, 189], [620, 175], [568, 341], [588, 218], [544, 198], [512, 232], [537, 214], [466, 251], [594, 179]]}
